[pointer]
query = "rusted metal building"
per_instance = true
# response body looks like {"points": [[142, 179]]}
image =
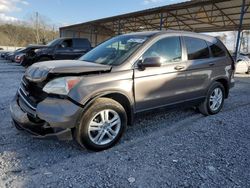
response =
{"points": [[195, 15]]}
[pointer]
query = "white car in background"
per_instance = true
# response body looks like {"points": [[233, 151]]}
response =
{"points": [[242, 64]]}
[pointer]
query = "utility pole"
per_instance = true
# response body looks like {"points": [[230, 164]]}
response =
{"points": [[37, 28], [53, 31]]}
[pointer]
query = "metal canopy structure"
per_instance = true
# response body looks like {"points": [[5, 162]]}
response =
{"points": [[195, 15]]}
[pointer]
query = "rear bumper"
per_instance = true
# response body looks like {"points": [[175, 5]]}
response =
{"points": [[232, 80], [52, 118]]}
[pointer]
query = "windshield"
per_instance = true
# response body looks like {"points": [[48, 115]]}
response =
{"points": [[53, 42], [114, 51]]}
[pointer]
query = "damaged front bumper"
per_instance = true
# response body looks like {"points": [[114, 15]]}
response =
{"points": [[52, 118]]}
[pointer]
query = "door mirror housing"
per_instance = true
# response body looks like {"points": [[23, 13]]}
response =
{"points": [[151, 62]]}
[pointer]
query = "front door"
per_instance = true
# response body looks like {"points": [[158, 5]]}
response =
{"points": [[160, 86], [64, 50]]}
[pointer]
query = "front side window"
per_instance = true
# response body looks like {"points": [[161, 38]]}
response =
{"points": [[116, 50], [168, 49], [67, 43], [196, 48]]}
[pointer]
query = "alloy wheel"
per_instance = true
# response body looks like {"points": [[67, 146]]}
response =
{"points": [[215, 99], [104, 127]]}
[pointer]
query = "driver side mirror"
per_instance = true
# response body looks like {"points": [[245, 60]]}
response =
{"points": [[149, 62]]}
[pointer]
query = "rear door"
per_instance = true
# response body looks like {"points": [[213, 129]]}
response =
{"points": [[80, 47], [159, 86], [200, 66]]}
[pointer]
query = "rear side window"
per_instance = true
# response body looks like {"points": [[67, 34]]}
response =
{"points": [[81, 43], [216, 50], [196, 48], [168, 49]]}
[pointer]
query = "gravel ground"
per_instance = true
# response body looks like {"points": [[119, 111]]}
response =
{"points": [[179, 148]]}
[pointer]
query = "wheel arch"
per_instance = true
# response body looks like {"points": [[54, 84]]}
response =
{"points": [[225, 84], [119, 97]]}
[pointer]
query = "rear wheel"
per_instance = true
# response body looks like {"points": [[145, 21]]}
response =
{"points": [[102, 125], [214, 100]]}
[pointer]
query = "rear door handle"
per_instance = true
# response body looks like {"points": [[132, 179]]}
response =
{"points": [[179, 67], [211, 64]]}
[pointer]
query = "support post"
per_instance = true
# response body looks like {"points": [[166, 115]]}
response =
{"points": [[95, 38], [60, 32], [239, 29], [91, 35], [119, 27], [161, 21]]}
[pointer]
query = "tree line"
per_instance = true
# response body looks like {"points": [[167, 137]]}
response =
{"points": [[22, 35]]}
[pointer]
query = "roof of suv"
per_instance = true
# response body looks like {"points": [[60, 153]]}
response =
{"points": [[156, 33], [63, 38]]}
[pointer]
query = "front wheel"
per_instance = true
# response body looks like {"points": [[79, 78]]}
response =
{"points": [[102, 125], [214, 100]]}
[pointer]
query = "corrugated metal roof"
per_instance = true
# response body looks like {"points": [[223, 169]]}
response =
{"points": [[199, 16]]}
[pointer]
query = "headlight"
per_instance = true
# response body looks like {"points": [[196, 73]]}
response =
{"points": [[61, 86]]}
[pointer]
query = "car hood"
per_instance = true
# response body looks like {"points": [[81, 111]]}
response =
{"points": [[37, 46], [40, 71]]}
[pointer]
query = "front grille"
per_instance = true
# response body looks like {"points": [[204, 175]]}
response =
{"points": [[31, 93], [24, 96], [34, 90]]}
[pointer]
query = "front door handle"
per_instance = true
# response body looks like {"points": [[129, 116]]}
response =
{"points": [[211, 64], [179, 67]]}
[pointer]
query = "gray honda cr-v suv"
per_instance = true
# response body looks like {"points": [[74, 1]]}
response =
{"points": [[94, 98]]}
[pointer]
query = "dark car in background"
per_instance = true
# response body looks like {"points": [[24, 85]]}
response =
{"points": [[94, 98], [3, 54], [29, 51], [19, 58], [58, 49], [14, 53], [10, 55]]}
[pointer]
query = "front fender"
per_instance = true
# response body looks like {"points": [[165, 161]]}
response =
{"points": [[92, 86]]}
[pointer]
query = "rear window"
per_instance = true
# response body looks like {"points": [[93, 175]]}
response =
{"points": [[216, 50], [196, 48], [81, 43]]}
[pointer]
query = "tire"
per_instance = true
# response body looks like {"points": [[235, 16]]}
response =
{"points": [[18, 127], [206, 107], [86, 132], [248, 71], [44, 59]]}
